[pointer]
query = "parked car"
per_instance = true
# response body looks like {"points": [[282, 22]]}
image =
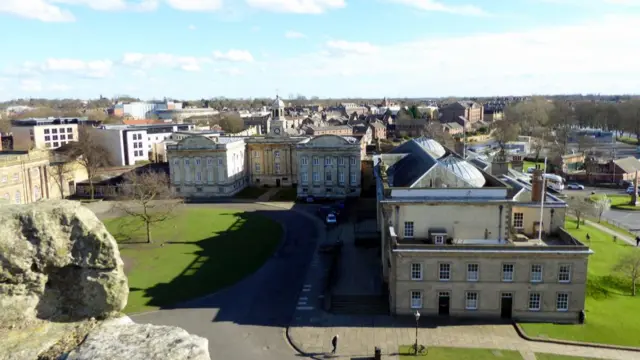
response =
{"points": [[629, 190], [574, 186], [331, 219], [309, 199]]}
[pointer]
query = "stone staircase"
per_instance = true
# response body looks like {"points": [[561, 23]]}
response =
{"points": [[359, 305]]}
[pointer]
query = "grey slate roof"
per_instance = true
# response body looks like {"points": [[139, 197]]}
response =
{"points": [[410, 168], [629, 164]]}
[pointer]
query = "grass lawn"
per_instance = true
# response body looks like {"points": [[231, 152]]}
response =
{"points": [[541, 356], [285, 194], [628, 140], [444, 353], [613, 227], [527, 164], [251, 192], [204, 250], [612, 316], [620, 202]]}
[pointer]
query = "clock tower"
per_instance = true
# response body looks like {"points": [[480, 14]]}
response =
{"points": [[278, 122]]}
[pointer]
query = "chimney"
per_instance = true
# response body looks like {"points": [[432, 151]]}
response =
{"points": [[536, 185], [499, 165], [459, 147]]}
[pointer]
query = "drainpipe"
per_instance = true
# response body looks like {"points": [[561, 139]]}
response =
{"points": [[500, 223]]}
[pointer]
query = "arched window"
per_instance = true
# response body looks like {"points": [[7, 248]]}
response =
{"points": [[18, 197], [36, 193]]}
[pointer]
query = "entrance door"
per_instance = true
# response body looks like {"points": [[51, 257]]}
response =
{"points": [[506, 305], [278, 182], [443, 303]]}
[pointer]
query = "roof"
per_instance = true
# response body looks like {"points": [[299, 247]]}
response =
{"points": [[141, 121], [277, 103], [628, 165], [453, 125], [410, 168]]}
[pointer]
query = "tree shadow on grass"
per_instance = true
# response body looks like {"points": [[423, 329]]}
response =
{"points": [[603, 287]]}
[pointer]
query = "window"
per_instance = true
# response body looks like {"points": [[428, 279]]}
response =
{"points": [[16, 177], [55, 144], [62, 137], [536, 273], [276, 153], [18, 197], [327, 161], [55, 137], [564, 273], [534, 301], [327, 176], [209, 161], [439, 239], [277, 168], [316, 176], [48, 144], [257, 166], [220, 161], [518, 220], [135, 146], [69, 136], [186, 162], [408, 229], [54, 131], [445, 272], [305, 160], [46, 131], [4, 178], [198, 176], [562, 302], [507, 272], [198, 162], [416, 271], [416, 300], [471, 300], [341, 177], [69, 130], [473, 272], [47, 138], [353, 161], [316, 161], [305, 178], [353, 178], [176, 162], [341, 161], [255, 154]]}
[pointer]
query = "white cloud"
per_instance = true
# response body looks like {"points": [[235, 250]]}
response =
{"points": [[233, 55], [111, 5], [297, 6], [294, 35], [192, 27], [440, 6], [346, 47], [36, 9], [93, 68], [195, 5], [31, 85], [229, 71], [147, 61]]}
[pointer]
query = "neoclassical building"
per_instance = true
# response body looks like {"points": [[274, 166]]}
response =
{"points": [[329, 167], [206, 167]]}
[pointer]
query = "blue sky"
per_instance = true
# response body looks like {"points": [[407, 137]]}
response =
{"points": [[326, 48]]}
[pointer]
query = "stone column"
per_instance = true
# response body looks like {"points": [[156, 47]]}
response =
{"points": [[634, 195]]}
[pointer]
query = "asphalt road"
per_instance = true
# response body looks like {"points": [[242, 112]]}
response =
{"points": [[248, 320]]}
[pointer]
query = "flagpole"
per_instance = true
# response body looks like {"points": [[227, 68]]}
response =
{"points": [[544, 171]]}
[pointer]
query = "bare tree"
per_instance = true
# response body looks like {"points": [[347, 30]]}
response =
{"points": [[580, 208], [561, 120], [59, 172], [435, 131], [629, 267], [148, 197], [505, 131], [89, 153], [585, 142], [601, 205]]}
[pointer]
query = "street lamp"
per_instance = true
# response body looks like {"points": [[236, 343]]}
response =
{"points": [[417, 315]]}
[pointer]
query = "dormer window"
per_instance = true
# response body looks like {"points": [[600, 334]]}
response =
{"points": [[438, 236]]}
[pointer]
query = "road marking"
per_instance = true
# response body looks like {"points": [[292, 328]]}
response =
{"points": [[302, 303], [303, 298], [304, 308], [307, 285], [306, 290]]}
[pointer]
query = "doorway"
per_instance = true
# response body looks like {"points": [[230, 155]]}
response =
{"points": [[443, 303], [277, 182], [506, 305]]}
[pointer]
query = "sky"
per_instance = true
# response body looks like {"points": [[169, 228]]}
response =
{"points": [[192, 49]]}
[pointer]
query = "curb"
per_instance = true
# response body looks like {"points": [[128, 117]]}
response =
{"points": [[524, 336]]}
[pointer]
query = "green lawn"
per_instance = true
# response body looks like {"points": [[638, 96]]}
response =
{"points": [[196, 253], [285, 194], [613, 227], [628, 140], [541, 356], [620, 202], [527, 164], [612, 316], [251, 192], [444, 353]]}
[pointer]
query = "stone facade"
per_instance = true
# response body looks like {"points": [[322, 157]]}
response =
{"points": [[273, 161], [207, 167], [329, 167]]}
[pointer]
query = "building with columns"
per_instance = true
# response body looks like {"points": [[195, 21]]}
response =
{"points": [[207, 167], [329, 167]]}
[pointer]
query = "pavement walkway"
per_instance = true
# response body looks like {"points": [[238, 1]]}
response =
{"points": [[267, 195], [611, 232]]}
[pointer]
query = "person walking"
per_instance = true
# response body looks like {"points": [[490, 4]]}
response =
{"points": [[637, 240], [334, 343]]}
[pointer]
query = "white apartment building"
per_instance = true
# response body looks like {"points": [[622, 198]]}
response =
{"points": [[129, 144], [45, 133], [207, 167]]}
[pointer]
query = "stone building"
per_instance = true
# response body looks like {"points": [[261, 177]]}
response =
{"points": [[329, 167], [458, 241], [207, 167], [469, 110]]}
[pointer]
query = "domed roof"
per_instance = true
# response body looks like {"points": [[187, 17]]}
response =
{"points": [[464, 170], [431, 146], [277, 103]]}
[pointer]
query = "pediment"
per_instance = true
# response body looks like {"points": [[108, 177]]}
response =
{"points": [[196, 142]]}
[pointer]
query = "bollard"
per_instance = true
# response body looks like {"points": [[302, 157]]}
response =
{"points": [[377, 354]]}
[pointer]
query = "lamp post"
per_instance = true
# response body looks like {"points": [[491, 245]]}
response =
{"points": [[417, 315]]}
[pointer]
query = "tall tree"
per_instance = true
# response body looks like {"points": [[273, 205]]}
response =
{"points": [[505, 131], [147, 196], [90, 154], [580, 208], [562, 121], [435, 131], [630, 115], [601, 205], [59, 172], [629, 267]]}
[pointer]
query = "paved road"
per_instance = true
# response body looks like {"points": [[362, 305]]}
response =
{"points": [[248, 320]]}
